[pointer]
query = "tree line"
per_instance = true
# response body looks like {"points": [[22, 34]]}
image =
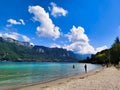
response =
{"points": [[108, 56]]}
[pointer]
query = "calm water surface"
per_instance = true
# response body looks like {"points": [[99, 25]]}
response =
{"points": [[17, 74]]}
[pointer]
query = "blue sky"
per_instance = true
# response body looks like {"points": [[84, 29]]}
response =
{"points": [[83, 26]]}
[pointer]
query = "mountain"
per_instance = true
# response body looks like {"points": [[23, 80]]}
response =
{"points": [[81, 56], [13, 50]]}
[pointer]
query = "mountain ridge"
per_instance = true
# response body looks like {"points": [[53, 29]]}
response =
{"points": [[14, 50]]}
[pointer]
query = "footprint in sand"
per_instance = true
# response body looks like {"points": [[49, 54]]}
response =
{"points": [[81, 77], [45, 87]]}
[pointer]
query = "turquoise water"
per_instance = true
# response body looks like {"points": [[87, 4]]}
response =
{"points": [[16, 74]]}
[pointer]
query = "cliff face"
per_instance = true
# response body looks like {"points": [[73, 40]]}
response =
{"points": [[13, 50], [27, 44]]}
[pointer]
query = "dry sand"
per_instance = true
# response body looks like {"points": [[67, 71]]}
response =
{"points": [[105, 79]]}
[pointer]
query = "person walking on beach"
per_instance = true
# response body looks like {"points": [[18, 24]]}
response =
{"points": [[85, 66]]}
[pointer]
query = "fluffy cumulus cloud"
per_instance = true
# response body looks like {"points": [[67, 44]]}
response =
{"points": [[14, 22], [46, 28], [15, 36], [57, 11], [77, 34], [80, 42]]}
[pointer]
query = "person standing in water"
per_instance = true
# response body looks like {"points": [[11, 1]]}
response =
{"points": [[73, 66], [85, 66]]}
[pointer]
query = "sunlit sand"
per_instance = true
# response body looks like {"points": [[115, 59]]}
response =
{"points": [[103, 79]]}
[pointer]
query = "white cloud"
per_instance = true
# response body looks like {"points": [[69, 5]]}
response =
{"points": [[55, 45], [57, 11], [14, 22], [99, 49], [46, 28], [79, 42], [25, 38], [81, 48], [15, 36], [0, 34], [22, 21], [32, 44], [12, 35], [77, 34]]}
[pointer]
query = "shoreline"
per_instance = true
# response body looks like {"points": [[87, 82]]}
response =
{"points": [[57, 81]]}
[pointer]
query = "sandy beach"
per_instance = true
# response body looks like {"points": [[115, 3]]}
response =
{"points": [[103, 79]]}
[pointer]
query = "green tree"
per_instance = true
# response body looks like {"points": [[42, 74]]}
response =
{"points": [[115, 51]]}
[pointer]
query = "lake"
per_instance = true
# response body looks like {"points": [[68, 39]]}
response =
{"points": [[14, 74]]}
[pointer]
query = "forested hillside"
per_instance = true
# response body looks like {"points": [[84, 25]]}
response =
{"points": [[12, 50]]}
